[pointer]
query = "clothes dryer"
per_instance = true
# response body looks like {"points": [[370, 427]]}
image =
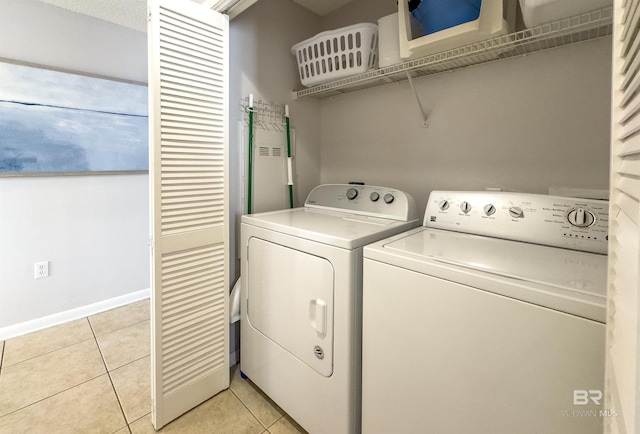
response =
{"points": [[301, 302], [488, 319]]}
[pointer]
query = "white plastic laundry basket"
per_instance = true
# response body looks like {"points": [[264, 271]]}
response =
{"points": [[336, 54]]}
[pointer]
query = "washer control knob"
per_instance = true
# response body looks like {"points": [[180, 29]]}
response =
{"points": [[444, 205], [352, 193], [581, 218], [465, 207], [489, 209], [388, 198], [516, 212], [374, 197]]}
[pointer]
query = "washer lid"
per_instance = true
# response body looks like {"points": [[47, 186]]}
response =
{"points": [[561, 279], [345, 230]]}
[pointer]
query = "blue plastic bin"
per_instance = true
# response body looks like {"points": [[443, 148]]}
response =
{"points": [[436, 15]]}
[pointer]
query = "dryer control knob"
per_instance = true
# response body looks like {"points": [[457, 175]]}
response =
{"points": [[581, 218], [489, 209], [465, 207], [444, 205], [352, 193], [516, 212], [374, 197], [388, 198]]}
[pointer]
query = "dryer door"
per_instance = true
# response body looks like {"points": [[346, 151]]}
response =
{"points": [[290, 301]]}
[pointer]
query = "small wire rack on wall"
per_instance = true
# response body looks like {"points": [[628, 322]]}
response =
{"points": [[266, 115]]}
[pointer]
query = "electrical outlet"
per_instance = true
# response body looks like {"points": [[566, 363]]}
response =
{"points": [[41, 269]]}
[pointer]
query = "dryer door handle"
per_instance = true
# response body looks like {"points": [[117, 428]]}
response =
{"points": [[318, 315]]}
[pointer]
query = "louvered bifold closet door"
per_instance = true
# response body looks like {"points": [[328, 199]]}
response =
{"points": [[188, 82], [623, 323]]}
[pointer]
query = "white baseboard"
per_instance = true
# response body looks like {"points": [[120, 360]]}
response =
{"points": [[23, 328], [71, 315]]}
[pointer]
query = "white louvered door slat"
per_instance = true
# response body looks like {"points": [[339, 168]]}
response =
{"points": [[623, 319], [188, 82]]}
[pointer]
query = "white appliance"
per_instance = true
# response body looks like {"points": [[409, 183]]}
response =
{"points": [[488, 319], [301, 299]]}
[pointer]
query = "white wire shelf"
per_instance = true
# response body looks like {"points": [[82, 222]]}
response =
{"points": [[579, 28]]}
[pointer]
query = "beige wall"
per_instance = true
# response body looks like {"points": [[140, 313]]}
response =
{"points": [[523, 124], [359, 11], [261, 63]]}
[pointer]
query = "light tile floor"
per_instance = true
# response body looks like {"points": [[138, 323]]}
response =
{"points": [[93, 376]]}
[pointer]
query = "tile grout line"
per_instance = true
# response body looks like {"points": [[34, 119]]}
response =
{"points": [[109, 376], [3, 367], [129, 363], [283, 415], [248, 409], [46, 353], [245, 406], [117, 329], [56, 393], [252, 414], [51, 396], [93, 336], [276, 421], [138, 419]]}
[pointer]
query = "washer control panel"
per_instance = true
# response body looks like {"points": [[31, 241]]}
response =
{"points": [[383, 202], [579, 224]]}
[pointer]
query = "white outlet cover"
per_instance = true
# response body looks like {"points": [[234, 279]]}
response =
{"points": [[41, 269]]}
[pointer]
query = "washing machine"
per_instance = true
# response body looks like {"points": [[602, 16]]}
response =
{"points": [[490, 318], [301, 299]]}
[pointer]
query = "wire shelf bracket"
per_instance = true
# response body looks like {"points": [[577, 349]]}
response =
{"points": [[422, 112]]}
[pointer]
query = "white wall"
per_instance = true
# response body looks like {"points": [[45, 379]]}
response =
{"points": [[523, 124], [359, 11], [93, 229], [261, 63]]}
